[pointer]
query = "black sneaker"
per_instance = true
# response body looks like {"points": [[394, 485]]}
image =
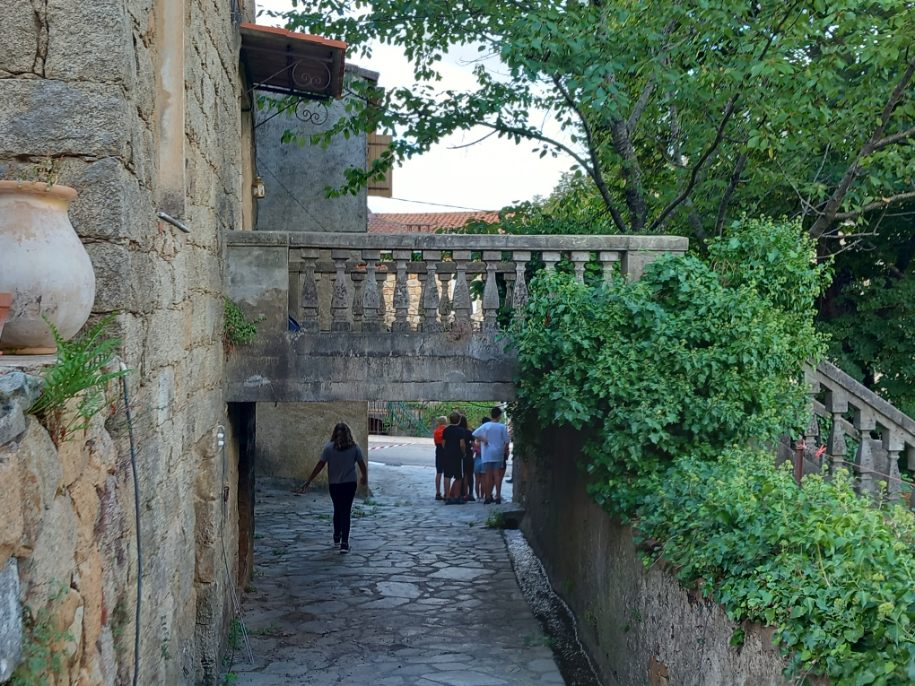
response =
{"points": [[438, 496], [344, 548], [336, 540]]}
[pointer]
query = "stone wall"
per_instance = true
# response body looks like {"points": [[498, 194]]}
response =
{"points": [[97, 85], [291, 436], [639, 625], [295, 177]]}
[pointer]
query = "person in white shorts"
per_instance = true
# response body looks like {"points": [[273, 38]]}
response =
{"points": [[494, 438]]}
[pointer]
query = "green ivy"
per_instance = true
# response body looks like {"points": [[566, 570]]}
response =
{"points": [[690, 358], [834, 575]]}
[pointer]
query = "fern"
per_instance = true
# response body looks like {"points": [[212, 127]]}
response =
{"points": [[83, 370]]}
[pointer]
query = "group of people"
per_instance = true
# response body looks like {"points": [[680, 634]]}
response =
{"points": [[470, 463]]}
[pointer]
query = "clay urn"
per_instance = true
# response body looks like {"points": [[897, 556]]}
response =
{"points": [[44, 265]]}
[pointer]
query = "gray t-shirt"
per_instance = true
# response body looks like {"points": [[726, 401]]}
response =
{"points": [[341, 464]]}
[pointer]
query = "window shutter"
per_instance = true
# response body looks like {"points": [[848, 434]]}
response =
{"points": [[377, 144]]}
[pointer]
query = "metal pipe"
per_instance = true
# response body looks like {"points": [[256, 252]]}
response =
{"points": [[178, 224]]}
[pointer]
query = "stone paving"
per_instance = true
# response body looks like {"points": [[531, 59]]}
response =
{"points": [[426, 597]]}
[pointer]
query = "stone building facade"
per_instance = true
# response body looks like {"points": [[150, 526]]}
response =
{"points": [[143, 104]]}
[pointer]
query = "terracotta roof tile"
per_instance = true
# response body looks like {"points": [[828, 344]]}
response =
{"points": [[424, 222]]}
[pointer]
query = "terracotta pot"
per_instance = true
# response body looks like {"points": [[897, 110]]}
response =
{"points": [[43, 264]]}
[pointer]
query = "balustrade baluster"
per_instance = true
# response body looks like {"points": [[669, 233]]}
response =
{"points": [[358, 277], [893, 444], [608, 260], [865, 422], [550, 258], [579, 260], [836, 405], [308, 300], [371, 302], [381, 276], [401, 294], [430, 299], [520, 295], [444, 303], [341, 303], [461, 296], [509, 287], [491, 292]]}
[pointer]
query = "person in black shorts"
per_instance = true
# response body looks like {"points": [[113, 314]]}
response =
{"points": [[454, 449], [467, 494], [439, 455]]}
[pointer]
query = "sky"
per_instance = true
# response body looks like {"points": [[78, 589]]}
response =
{"points": [[485, 176]]}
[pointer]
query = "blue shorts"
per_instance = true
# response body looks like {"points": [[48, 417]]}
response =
{"points": [[493, 466], [478, 465]]}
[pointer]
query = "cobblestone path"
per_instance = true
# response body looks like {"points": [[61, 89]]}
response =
{"points": [[426, 597]]}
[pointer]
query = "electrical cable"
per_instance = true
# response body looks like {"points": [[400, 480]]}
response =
{"points": [[136, 512]]}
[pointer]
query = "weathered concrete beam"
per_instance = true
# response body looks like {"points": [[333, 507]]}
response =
{"points": [[363, 366], [357, 241]]}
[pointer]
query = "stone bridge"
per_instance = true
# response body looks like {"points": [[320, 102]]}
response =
{"points": [[353, 317]]}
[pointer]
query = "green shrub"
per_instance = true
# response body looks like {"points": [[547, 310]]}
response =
{"points": [[684, 361], [834, 575], [671, 379], [238, 329]]}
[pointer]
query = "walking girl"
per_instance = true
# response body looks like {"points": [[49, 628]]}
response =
{"points": [[341, 455]]}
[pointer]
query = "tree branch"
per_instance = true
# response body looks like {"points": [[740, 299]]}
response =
{"points": [[719, 132], [640, 106], [595, 170], [729, 191], [694, 173], [894, 138], [830, 211], [876, 205]]}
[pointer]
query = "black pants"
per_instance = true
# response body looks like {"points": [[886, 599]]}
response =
{"points": [[342, 495]]}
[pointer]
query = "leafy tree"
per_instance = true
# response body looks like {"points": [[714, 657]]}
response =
{"points": [[869, 309], [676, 113]]}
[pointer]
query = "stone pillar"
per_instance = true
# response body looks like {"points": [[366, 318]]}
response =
{"points": [[401, 300], [491, 293], [579, 260], [430, 299], [371, 302], [520, 294], [341, 301], [170, 108], [461, 298], [308, 300]]}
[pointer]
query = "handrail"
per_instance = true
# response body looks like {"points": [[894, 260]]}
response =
{"points": [[857, 412]]}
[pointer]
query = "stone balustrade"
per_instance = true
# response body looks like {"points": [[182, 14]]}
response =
{"points": [[857, 413], [368, 276], [392, 316]]}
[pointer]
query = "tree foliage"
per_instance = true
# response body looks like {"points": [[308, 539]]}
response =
{"points": [[869, 310], [676, 113]]}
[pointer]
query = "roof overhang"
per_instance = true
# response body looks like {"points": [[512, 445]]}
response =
{"points": [[292, 63]]}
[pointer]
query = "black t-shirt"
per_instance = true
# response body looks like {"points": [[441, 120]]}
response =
{"points": [[468, 444], [452, 436]]}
